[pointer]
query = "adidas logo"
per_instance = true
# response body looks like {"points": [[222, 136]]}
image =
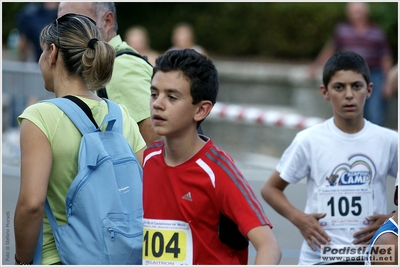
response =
{"points": [[188, 197]]}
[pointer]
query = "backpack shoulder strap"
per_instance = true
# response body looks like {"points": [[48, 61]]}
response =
{"points": [[115, 111], [74, 108], [83, 106], [75, 114], [133, 53], [102, 91]]}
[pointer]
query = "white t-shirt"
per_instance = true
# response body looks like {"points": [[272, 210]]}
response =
{"points": [[346, 177]]}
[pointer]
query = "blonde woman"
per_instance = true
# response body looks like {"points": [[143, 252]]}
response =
{"points": [[74, 62]]}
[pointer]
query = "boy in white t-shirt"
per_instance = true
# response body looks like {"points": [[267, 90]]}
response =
{"points": [[346, 161]]}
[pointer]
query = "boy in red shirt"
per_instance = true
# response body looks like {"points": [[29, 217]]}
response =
{"points": [[198, 208]]}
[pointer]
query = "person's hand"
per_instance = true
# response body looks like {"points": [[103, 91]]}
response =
{"points": [[364, 236], [312, 231], [387, 91], [390, 88]]}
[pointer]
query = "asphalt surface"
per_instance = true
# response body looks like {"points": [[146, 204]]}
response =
{"points": [[256, 168]]}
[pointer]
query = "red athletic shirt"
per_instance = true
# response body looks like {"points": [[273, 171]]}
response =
{"points": [[195, 192]]}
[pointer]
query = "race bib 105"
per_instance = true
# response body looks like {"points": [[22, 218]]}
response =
{"points": [[345, 206]]}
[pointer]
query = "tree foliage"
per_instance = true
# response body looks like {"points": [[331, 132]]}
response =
{"points": [[270, 30]]}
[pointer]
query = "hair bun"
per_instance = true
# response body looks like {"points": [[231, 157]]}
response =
{"points": [[91, 43]]}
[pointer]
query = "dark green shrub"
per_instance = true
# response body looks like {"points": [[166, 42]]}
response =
{"points": [[266, 30]]}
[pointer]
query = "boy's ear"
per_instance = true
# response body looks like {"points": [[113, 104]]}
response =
{"points": [[204, 108], [325, 92], [369, 89]]}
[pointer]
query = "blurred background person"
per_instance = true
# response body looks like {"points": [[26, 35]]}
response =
{"points": [[30, 21], [183, 36], [362, 36], [138, 37]]}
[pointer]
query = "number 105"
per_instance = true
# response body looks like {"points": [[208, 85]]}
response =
{"points": [[344, 207]]}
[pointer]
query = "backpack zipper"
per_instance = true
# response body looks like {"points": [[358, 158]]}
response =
{"points": [[114, 231], [79, 186]]}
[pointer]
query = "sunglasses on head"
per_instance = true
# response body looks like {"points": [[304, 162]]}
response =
{"points": [[66, 17]]}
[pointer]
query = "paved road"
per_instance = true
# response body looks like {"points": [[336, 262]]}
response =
{"points": [[255, 168]]}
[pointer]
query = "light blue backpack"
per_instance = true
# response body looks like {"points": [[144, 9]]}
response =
{"points": [[104, 202]]}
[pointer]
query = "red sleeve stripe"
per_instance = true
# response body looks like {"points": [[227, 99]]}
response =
{"points": [[231, 170]]}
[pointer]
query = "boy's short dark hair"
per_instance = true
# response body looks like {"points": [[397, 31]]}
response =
{"points": [[345, 60], [198, 70]]}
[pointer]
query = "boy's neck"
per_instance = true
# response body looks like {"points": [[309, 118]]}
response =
{"points": [[178, 150], [349, 126]]}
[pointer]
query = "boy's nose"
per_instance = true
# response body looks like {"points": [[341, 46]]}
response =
{"points": [[157, 103], [349, 92]]}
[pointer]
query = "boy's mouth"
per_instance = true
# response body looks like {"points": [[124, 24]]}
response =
{"points": [[349, 107], [158, 118]]}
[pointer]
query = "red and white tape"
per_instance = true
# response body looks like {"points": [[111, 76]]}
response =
{"points": [[252, 115]]}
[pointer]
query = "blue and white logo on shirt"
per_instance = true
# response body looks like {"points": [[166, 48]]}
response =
{"points": [[359, 170]]}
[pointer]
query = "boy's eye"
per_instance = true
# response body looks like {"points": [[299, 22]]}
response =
{"points": [[338, 87], [172, 97], [357, 86]]}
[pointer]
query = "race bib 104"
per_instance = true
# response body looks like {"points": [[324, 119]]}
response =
{"points": [[167, 242]]}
